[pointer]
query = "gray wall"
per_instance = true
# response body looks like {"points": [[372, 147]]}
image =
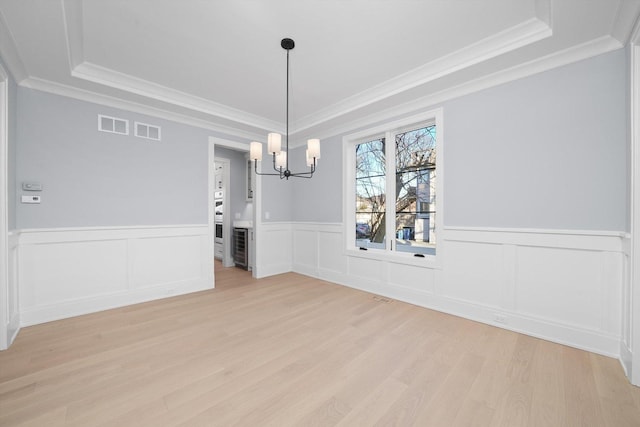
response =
{"points": [[92, 178], [309, 201], [237, 185], [548, 151], [277, 195]]}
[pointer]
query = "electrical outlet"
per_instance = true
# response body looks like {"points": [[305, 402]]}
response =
{"points": [[500, 318]]}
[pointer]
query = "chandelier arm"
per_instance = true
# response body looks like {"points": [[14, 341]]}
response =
{"points": [[255, 167], [279, 170], [302, 175]]}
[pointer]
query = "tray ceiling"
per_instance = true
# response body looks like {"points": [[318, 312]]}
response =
{"points": [[221, 61]]}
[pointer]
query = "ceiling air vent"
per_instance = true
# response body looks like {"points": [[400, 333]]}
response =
{"points": [[146, 131], [113, 125]]}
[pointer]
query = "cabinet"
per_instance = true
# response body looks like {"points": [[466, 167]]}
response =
{"points": [[240, 247]]}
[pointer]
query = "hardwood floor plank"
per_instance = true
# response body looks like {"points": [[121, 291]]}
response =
{"points": [[581, 398], [291, 350], [616, 395]]}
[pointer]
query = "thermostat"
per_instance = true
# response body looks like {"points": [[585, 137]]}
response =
{"points": [[30, 199]]}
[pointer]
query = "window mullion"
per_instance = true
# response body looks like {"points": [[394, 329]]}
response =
{"points": [[390, 203]]}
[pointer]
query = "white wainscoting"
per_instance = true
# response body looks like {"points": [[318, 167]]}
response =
{"points": [[273, 249], [563, 286], [13, 308], [68, 272]]}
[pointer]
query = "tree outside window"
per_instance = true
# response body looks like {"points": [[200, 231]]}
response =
{"points": [[414, 189]]}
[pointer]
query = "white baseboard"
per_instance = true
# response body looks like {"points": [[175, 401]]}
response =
{"points": [[93, 304], [626, 359]]}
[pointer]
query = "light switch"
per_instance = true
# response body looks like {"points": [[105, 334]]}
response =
{"points": [[30, 199]]}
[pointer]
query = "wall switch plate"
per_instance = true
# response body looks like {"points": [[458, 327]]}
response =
{"points": [[30, 199]]}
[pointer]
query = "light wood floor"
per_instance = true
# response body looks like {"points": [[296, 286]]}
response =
{"points": [[294, 351]]}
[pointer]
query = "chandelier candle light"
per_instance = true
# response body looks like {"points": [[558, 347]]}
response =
{"points": [[274, 142]]}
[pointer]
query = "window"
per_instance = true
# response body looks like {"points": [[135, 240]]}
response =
{"points": [[393, 198]]}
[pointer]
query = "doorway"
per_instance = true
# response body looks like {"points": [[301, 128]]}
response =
{"points": [[222, 213], [238, 206]]}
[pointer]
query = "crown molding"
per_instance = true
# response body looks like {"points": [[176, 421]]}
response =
{"points": [[567, 56], [73, 30], [107, 77], [81, 69], [634, 37], [109, 101], [626, 18], [520, 35], [9, 52]]}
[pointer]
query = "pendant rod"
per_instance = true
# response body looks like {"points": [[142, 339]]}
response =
{"points": [[287, 121]]}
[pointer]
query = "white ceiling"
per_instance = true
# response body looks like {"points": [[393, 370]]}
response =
{"points": [[220, 61]]}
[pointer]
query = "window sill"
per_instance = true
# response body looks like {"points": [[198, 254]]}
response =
{"points": [[429, 261]]}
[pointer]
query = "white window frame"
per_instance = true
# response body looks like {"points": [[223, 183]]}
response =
{"points": [[389, 131]]}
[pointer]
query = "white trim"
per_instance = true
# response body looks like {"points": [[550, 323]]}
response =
{"points": [[227, 258], [256, 248], [9, 52], [39, 236], [633, 305], [110, 101], [325, 129], [5, 339], [578, 239], [557, 59], [626, 17], [111, 78], [520, 35], [233, 145], [73, 29], [211, 224]]}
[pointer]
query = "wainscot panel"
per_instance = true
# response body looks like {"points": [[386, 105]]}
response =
{"points": [[560, 285], [68, 272], [273, 249]]}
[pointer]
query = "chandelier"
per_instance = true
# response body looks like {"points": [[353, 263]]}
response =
{"points": [[274, 142]]}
